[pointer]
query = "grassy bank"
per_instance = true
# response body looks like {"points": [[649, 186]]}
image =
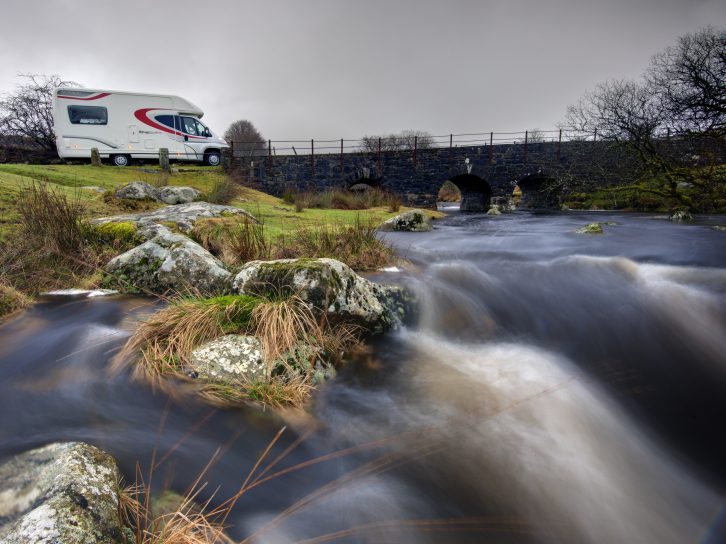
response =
{"points": [[704, 190]]}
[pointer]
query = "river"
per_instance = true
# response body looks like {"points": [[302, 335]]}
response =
{"points": [[557, 388]]}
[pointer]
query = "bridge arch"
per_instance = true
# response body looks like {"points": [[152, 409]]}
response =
{"points": [[538, 192], [476, 194]]}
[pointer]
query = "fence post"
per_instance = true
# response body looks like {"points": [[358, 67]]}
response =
{"points": [[415, 149], [164, 159], [559, 145], [594, 137], [95, 157], [451, 149], [526, 143], [379, 157], [312, 157], [491, 148], [342, 170]]}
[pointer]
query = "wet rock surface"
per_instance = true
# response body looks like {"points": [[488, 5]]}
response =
{"points": [[63, 493], [330, 287]]}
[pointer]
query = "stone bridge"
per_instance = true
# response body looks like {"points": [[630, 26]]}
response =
{"points": [[480, 172]]}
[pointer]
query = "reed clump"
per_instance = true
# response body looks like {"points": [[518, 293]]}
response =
{"points": [[297, 346]]}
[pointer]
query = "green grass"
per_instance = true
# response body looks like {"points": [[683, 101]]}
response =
{"points": [[280, 218]]}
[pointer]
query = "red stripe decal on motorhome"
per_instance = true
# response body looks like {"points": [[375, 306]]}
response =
{"points": [[95, 97], [142, 116]]}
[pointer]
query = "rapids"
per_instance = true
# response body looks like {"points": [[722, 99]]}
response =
{"points": [[555, 388]]}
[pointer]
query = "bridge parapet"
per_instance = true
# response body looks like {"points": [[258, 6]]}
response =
{"points": [[417, 175]]}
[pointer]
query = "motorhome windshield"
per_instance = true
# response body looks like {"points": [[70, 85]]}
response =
{"points": [[194, 127]]}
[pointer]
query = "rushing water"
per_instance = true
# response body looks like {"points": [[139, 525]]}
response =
{"points": [[557, 388]]}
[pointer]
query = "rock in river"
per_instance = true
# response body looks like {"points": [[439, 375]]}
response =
{"points": [[168, 262], [412, 220], [329, 287], [228, 359], [63, 493]]}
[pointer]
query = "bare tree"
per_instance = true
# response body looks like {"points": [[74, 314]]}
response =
{"points": [[402, 141], [689, 80], [246, 138], [28, 112]]}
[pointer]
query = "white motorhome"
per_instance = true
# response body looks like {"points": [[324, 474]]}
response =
{"points": [[125, 125]]}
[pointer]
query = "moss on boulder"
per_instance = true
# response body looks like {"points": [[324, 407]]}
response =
{"points": [[410, 221], [329, 287]]}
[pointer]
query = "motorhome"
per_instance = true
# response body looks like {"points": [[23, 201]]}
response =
{"points": [[127, 125]]}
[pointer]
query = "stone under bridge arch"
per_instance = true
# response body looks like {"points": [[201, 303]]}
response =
{"points": [[476, 194], [537, 192]]}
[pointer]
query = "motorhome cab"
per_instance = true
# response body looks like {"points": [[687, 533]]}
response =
{"points": [[125, 125]]}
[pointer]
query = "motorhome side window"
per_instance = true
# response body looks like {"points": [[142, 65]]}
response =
{"points": [[88, 115], [167, 120]]}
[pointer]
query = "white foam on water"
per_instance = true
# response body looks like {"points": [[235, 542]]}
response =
{"points": [[533, 434]]}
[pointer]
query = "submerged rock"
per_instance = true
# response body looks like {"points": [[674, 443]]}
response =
{"points": [[494, 210], [168, 262], [228, 359], [329, 287], [411, 221], [592, 228], [681, 215], [63, 493], [182, 215]]}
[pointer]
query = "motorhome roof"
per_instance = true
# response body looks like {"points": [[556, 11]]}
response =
{"points": [[189, 108]]}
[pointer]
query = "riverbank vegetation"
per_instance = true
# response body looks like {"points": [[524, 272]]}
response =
{"points": [[678, 104]]}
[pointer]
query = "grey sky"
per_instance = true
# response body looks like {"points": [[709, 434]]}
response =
{"points": [[343, 68]]}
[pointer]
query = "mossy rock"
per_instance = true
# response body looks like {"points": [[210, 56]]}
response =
{"points": [[592, 228], [329, 287], [123, 232]]}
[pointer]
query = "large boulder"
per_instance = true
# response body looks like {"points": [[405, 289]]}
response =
{"points": [[329, 287], [412, 221], [228, 359], [168, 262], [178, 195], [182, 215], [62, 493], [138, 190]]}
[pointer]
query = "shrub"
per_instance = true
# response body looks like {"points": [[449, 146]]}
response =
{"points": [[11, 300], [233, 239], [223, 190], [449, 193], [356, 245], [339, 199], [49, 216]]}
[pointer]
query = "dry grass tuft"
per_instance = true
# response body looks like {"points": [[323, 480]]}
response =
{"points": [[234, 240], [223, 190], [167, 338], [281, 324], [11, 300], [356, 245]]}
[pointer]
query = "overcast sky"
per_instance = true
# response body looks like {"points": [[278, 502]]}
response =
{"points": [[301, 69]]}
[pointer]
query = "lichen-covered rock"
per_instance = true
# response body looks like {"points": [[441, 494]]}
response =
{"points": [[592, 228], [178, 195], [168, 262], [329, 287], [62, 493], [182, 215], [411, 221], [681, 215], [494, 210], [138, 190], [230, 358]]}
